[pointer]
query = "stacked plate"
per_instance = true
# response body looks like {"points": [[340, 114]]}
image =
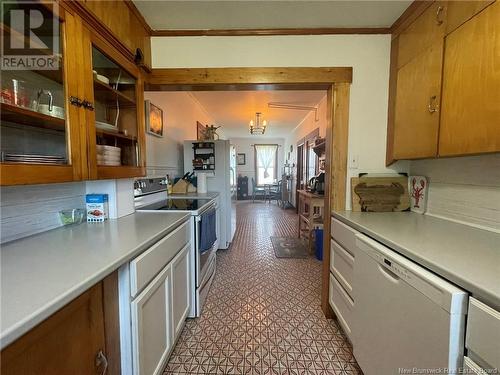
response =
{"points": [[33, 159], [108, 155]]}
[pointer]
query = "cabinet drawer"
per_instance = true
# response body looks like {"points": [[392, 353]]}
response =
{"points": [[342, 305], [148, 264], [425, 31], [342, 266], [483, 332], [344, 235]]}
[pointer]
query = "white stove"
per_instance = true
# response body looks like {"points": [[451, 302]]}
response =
{"points": [[151, 196]]}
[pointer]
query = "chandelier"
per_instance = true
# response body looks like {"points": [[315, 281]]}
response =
{"points": [[258, 126]]}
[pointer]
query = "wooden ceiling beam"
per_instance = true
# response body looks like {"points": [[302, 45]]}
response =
{"points": [[173, 79], [272, 32]]}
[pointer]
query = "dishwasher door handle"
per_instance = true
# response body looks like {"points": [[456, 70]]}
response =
{"points": [[388, 274]]}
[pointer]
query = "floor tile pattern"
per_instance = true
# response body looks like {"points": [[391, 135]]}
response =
{"points": [[263, 315]]}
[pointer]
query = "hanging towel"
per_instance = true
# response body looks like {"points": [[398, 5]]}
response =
{"points": [[208, 234]]}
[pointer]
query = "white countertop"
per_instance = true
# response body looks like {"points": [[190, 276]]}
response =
{"points": [[466, 256], [42, 273]]}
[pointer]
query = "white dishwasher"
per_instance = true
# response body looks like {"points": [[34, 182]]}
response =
{"points": [[405, 317]]}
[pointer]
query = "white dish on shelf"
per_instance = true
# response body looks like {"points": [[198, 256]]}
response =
{"points": [[108, 148], [102, 79]]}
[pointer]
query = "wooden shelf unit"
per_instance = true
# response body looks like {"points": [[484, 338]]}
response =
{"points": [[106, 94], [28, 117], [310, 205]]}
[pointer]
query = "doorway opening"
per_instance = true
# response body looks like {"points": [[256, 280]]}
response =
{"points": [[336, 82]]}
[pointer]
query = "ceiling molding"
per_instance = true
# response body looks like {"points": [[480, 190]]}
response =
{"points": [[271, 32]]}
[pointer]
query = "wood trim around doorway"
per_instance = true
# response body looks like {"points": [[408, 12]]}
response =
{"points": [[335, 80]]}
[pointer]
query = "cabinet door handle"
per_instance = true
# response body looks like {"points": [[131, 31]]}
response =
{"points": [[432, 107], [439, 11], [101, 363], [75, 101], [88, 105]]}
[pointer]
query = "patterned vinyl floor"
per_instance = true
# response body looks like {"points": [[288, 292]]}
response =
{"points": [[263, 315]]}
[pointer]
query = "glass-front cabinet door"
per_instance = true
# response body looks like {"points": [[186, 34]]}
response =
{"points": [[39, 128], [116, 116]]}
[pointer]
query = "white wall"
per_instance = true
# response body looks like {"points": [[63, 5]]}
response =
{"points": [[180, 113], [368, 55], [245, 146], [465, 189]]}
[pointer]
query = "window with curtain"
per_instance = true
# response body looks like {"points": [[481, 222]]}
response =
{"points": [[266, 164]]}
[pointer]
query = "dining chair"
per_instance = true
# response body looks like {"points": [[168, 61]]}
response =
{"points": [[258, 190]]}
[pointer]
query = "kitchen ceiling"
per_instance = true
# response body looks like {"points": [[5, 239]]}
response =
{"points": [[163, 15], [233, 110]]}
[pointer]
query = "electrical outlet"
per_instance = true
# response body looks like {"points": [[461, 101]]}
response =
{"points": [[353, 163]]}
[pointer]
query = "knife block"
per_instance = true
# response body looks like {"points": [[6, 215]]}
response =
{"points": [[183, 187]]}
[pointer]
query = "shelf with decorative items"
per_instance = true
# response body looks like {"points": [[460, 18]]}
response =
{"points": [[204, 156]]}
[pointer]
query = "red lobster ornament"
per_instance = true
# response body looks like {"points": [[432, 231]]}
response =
{"points": [[417, 192]]}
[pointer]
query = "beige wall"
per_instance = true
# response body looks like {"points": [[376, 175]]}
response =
{"points": [[368, 55], [180, 113]]}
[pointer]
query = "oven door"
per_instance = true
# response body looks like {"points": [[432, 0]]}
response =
{"points": [[204, 258]]}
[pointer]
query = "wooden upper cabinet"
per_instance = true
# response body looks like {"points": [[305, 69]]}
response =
{"points": [[115, 125], [125, 22], [72, 341], [39, 131], [425, 31], [416, 118], [470, 117], [459, 12]]}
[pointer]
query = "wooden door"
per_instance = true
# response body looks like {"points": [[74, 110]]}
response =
{"points": [[470, 116], [66, 343], [152, 336], [416, 118], [181, 291]]}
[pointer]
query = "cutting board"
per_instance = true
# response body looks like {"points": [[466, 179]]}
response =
{"points": [[380, 194]]}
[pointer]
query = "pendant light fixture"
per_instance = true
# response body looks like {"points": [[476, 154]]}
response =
{"points": [[258, 126]]}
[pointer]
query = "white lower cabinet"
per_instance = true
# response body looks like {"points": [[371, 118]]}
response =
{"points": [[483, 335], [152, 328], [181, 289]]}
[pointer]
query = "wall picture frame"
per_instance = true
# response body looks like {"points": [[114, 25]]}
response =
{"points": [[154, 119], [241, 159], [200, 131]]}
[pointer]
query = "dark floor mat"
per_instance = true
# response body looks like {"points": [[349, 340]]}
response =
{"points": [[289, 247]]}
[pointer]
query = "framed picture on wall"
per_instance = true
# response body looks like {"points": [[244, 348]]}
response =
{"points": [[200, 131], [154, 119], [241, 159]]}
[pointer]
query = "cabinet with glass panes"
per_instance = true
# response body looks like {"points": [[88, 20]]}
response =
{"points": [[81, 120], [39, 131], [117, 135]]}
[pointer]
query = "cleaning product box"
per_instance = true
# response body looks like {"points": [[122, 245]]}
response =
{"points": [[97, 207]]}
